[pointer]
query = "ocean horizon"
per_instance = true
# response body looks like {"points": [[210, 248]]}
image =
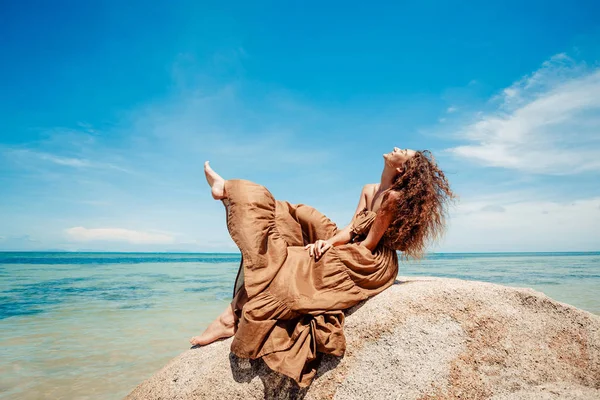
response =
{"points": [[70, 321]]}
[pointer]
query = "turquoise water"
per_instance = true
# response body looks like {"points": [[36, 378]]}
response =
{"points": [[94, 325]]}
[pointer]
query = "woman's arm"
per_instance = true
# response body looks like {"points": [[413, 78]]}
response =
{"points": [[344, 235], [381, 223]]}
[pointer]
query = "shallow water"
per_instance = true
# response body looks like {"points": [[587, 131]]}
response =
{"points": [[94, 325]]}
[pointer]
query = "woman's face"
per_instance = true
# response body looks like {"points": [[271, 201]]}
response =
{"points": [[397, 157]]}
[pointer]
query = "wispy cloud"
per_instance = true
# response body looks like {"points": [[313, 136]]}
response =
{"points": [[82, 234], [546, 123], [71, 162], [28, 156], [268, 150], [96, 203], [224, 124]]}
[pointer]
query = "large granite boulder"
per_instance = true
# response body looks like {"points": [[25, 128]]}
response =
{"points": [[423, 338]]}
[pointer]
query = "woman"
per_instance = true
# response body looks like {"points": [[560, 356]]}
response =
{"points": [[298, 271]]}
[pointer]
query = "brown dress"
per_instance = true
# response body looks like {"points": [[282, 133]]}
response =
{"points": [[289, 307]]}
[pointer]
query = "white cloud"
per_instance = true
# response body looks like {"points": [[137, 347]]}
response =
{"points": [[524, 225], [451, 109], [546, 123], [81, 234], [493, 208]]}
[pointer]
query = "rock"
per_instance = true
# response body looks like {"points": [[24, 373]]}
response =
{"points": [[423, 338]]}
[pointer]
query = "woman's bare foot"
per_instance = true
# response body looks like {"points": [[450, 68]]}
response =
{"points": [[217, 184], [222, 327]]}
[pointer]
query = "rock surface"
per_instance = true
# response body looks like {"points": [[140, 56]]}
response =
{"points": [[423, 338]]}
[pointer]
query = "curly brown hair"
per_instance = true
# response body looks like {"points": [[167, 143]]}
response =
{"points": [[419, 203]]}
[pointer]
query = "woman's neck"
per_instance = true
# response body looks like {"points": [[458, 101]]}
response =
{"points": [[387, 178]]}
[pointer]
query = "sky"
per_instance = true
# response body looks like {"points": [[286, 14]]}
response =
{"points": [[108, 110]]}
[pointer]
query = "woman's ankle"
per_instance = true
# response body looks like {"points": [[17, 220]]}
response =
{"points": [[227, 320]]}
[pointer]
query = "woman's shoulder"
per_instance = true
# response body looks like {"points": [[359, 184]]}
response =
{"points": [[370, 188]]}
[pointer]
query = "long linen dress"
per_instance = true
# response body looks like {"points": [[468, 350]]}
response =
{"points": [[289, 307]]}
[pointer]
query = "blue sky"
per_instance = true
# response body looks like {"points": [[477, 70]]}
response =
{"points": [[108, 112]]}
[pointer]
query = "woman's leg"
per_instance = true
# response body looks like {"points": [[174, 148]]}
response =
{"points": [[222, 327], [216, 183]]}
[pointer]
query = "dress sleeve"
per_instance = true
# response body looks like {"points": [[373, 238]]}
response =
{"points": [[362, 223]]}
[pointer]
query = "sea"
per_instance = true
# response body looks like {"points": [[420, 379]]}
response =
{"points": [[94, 325]]}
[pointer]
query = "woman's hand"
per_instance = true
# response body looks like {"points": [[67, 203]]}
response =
{"points": [[318, 248]]}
